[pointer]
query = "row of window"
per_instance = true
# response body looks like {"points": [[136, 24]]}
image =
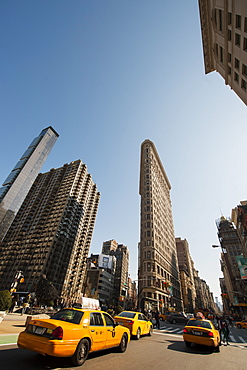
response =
{"points": [[240, 22]]}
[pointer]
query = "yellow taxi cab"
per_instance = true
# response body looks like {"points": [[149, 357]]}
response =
{"points": [[200, 331], [74, 333], [136, 322], [163, 316], [241, 324]]}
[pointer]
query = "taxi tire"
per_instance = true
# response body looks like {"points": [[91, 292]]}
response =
{"points": [[83, 347], [239, 326], [123, 344], [150, 331], [138, 334], [217, 349], [188, 344]]}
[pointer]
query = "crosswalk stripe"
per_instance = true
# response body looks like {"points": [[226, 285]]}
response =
{"points": [[232, 338], [242, 340]]}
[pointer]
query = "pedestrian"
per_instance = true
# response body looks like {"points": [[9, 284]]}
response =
{"points": [[199, 315], [219, 327], [149, 315], [157, 318], [24, 307], [225, 332]]}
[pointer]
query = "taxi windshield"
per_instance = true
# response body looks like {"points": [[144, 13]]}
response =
{"points": [[68, 315], [201, 323], [130, 315]]}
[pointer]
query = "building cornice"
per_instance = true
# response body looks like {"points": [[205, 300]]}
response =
{"points": [[206, 26]]}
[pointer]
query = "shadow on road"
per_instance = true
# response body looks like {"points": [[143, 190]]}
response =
{"points": [[19, 359], [194, 349]]}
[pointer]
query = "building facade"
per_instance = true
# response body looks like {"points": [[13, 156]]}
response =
{"points": [[121, 252], [185, 265], [158, 273], [232, 250], [21, 178], [224, 38], [52, 232]]}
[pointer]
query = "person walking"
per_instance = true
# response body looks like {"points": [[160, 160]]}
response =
{"points": [[225, 332], [157, 318]]}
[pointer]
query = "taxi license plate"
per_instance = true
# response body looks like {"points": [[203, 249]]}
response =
{"points": [[39, 330], [197, 333]]}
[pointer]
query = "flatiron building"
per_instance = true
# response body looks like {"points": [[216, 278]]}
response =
{"points": [[158, 273]]}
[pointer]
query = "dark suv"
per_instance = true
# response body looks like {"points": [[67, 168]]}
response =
{"points": [[175, 318]]}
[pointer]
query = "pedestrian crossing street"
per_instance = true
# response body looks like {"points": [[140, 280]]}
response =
{"points": [[234, 338]]}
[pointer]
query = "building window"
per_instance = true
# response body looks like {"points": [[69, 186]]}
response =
{"points": [[244, 84], [237, 39], [229, 70], [221, 54], [236, 77], [229, 35], [229, 18], [229, 57], [237, 63], [220, 19], [244, 70], [238, 21], [245, 44], [245, 24]]}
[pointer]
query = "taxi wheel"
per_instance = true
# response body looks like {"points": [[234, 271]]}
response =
{"points": [[138, 334], [217, 348], [81, 353], [239, 326], [123, 344], [188, 344]]}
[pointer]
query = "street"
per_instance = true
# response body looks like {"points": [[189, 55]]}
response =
{"points": [[164, 350]]}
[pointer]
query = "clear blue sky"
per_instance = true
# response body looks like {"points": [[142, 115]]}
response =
{"points": [[108, 74]]}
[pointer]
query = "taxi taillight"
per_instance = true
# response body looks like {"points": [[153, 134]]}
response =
{"points": [[210, 334], [185, 331], [57, 333], [130, 322]]}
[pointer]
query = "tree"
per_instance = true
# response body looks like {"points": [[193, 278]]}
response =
{"points": [[5, 300], [45, 291]]}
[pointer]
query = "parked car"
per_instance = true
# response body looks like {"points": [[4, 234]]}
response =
{"points": [[175, 318], [200, 331]]}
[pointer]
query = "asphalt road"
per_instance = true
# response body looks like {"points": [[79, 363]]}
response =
{"points": [[161, 351]]}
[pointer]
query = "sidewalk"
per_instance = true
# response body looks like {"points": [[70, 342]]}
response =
{"points": [[10, 327]]}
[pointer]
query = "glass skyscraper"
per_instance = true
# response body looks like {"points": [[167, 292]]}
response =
{"points": [[18, 183]]}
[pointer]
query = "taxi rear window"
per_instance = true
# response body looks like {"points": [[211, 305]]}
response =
{"points": [[72, 316], [130, 315], [201, 323]]}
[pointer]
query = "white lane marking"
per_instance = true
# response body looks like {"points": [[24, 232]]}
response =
{"points": [[8, 344], [170, 335], [232, 338], [242, 340]]}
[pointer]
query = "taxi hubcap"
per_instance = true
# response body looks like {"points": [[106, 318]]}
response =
{"points": [[82, 352]]}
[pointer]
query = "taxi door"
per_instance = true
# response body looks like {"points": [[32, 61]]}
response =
{"points": [[97, 331], [143, 323], [112, 336]]}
